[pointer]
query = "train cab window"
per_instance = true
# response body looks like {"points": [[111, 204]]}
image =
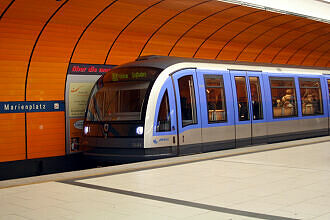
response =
{"points": [[311, 96], [120, 94], [283, 97], [242, 99], [164, 117], [215, 96], [187, 100], [121, 101], [256, 98]]}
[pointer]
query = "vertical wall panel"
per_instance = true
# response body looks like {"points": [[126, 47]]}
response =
{"points": [[19, 29], [46, 79], [46, 136], [12, 137]]}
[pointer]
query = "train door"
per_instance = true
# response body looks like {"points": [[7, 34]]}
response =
{"points": [[328, 99], [257, 106], [218, 130], [188, 111], [243, 129], [248, 106]]}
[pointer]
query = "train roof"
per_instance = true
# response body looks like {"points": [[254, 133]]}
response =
{"points": [[164, 62]]}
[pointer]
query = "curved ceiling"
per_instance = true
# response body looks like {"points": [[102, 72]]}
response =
{"points": [[38, 39]]}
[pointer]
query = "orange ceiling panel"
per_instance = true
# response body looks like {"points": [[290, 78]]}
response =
{"points": [[279, 44], [165, 38], [301, 53], [196, 37], [95, 42], [131, 40], [273, 28], [4, 5], [319, 56]]}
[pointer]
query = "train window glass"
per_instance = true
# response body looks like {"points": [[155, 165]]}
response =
{"points": [[120, 101], [283, 97], [256, 98], [215, 96], [311, 96], [164, 117], [242, 98], [119, 94], [329, 88], [187, 100]]}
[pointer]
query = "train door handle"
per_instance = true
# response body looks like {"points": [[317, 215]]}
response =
{"points": [[182, 138], [173, 139]]}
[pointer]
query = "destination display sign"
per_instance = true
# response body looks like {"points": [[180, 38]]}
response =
{"points": [[131, 74]]}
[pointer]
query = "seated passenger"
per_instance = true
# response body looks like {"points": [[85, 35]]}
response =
{"points": [[288, 99]]}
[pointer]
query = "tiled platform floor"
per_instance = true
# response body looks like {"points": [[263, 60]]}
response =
{"points": [[288, 183]]}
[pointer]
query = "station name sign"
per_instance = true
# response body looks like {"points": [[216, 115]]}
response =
{"points": [[89, 69], [31, 106]]}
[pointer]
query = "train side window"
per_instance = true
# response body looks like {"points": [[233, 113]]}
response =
{"points": [[215, 96], [256, 98], [164, 117], [329, 88], [187, 100], [242, 98], [311, 96], [284, 99]]}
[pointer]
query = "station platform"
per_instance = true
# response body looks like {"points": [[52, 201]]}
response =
{"points": [[289, 180]]}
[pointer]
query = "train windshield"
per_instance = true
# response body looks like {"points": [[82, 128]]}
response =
{"points": [[119, 95]]}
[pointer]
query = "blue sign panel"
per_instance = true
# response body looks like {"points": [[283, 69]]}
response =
{"points": [[31, 106]]}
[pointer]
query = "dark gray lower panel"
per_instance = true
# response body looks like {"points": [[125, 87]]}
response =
{"points": [[219, 145], [124, 155], [244, 142], [190, 149], [259, 140], [297, 135]]}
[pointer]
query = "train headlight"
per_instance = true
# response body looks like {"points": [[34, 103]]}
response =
{"points": [[86, 130], [139, 130]]}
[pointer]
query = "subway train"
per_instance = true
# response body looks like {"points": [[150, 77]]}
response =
{"points": [[160, 106]]}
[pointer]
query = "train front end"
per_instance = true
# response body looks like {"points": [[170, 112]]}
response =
{"points": [[115, 115]]}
